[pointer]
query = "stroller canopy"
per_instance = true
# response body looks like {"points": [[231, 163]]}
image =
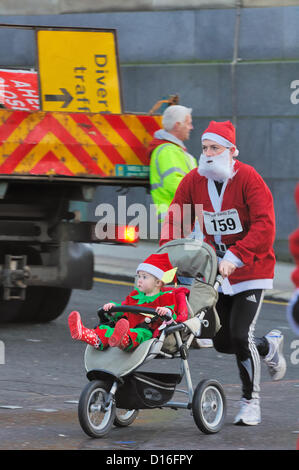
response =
{"points": [[193, 258]]}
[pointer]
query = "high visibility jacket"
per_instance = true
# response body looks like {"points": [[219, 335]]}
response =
{"points": [[169, 163]]}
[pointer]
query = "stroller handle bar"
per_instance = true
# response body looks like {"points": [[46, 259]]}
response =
{"points": [[134, 309]]}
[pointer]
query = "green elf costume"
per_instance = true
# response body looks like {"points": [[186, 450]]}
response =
{"points": [[128, 330]]}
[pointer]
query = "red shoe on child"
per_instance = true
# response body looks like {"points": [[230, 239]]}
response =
{"points": [[75, 325], [120, 330], [78, 331]]}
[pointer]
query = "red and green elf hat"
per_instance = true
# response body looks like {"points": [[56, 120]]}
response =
{"points": [[159, 266]]}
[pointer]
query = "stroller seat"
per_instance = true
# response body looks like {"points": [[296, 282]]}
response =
{"points": [[118, 362]]}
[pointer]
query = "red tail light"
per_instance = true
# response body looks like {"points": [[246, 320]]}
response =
{"points": [[127, 234]]}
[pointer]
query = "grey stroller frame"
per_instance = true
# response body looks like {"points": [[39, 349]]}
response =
{"points": [[116, 390]]}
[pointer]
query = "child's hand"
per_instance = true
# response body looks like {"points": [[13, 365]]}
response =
{"points": [[108, 306], [162, 311]]}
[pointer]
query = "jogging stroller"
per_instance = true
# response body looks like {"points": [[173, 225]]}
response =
{"points": [[117, 390]]}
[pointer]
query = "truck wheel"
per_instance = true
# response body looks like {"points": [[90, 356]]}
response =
{"points": [[55, 300], [42, 304], [10, 310]]}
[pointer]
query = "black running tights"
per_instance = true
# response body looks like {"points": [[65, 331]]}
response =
{"points": [[238, 315]]}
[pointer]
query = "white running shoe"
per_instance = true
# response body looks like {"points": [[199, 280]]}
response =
{"points": [[275, 359], [250, 412], [204, 343]]}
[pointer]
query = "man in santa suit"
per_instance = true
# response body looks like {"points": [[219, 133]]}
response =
{"points": [[238, 221], [293, 306]]}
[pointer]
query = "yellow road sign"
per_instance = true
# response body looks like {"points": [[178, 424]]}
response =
{"points": [[78, 71]]}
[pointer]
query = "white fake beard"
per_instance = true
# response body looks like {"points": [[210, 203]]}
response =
{"points": [[218, 168]]}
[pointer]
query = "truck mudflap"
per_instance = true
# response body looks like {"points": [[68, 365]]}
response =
{"points": [[74, 271]]}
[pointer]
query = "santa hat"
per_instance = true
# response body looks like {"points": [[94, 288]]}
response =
{"points": [[224, 133], [159, 266]]}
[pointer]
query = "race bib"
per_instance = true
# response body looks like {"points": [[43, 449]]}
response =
{"points": [[222, 223]]}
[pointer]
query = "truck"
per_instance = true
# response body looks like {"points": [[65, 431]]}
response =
{"points": [[49, 161]]}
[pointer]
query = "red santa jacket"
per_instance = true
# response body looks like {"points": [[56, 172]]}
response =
{"points": [[242, 217], [293, 305], [294, 249], [294, 244]]}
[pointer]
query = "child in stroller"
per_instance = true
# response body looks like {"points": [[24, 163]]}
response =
{"points": [[128, 330], [118, 388]]}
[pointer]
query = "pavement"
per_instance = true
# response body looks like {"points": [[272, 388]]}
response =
{"points": [[120, 261]]}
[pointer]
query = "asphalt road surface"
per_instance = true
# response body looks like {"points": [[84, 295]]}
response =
{"points": [[42, 376]]}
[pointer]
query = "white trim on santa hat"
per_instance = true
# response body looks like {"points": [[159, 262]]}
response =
{"points": [[151, 269], [220, 140]]}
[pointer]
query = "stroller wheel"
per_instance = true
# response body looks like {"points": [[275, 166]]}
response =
{"points": [[209, 406], [95, 415], [125, 417]]}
